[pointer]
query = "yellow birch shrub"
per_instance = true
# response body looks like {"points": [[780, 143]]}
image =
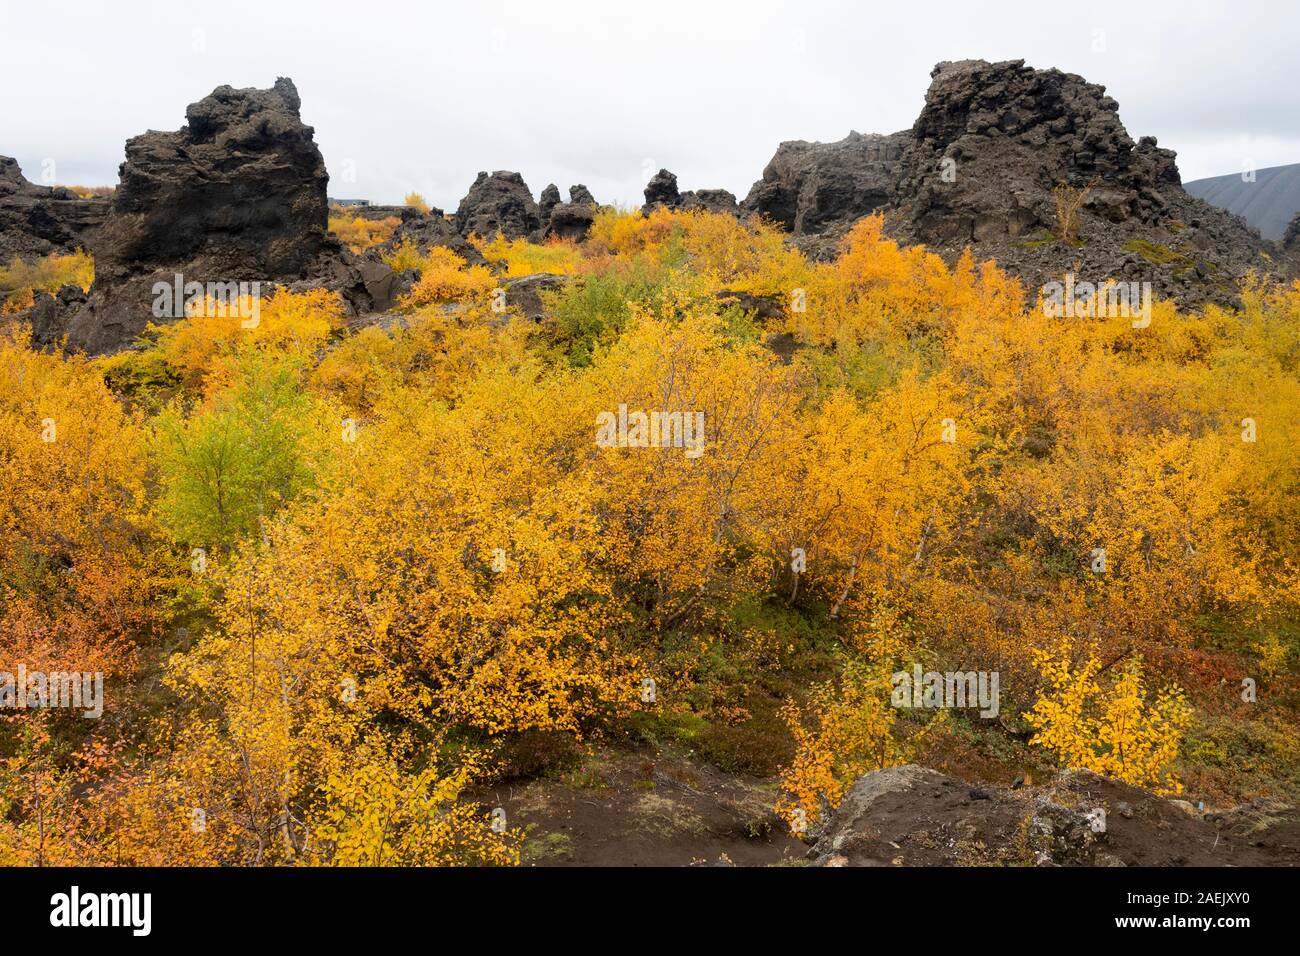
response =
{"points": [[1119, 731], [444, 277], [359, 233], [847, 730]]}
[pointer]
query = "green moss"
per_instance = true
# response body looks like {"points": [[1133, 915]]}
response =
{"points": [[1046, 239], [1154, 252], [664, 727], [545, 846]]}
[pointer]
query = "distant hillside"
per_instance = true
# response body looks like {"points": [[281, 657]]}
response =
{"points": [[1268, 203]]}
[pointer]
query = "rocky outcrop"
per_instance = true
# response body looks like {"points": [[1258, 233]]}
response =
{"points": [[993, 160], [1000, 148], [1030, 167], [814, 188], [499, 202], [913, 816], [426, 231], [373, 213], [661, 192], [237, 195], [524, 294], [550, 198], [1291, 236], [710, 200], [365, 283], [580, 195], [572, 219], [38, 220], [241, 187], [45, 315]]}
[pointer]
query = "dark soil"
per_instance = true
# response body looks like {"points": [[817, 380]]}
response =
{"points": [[648, 807], [653, 806]]}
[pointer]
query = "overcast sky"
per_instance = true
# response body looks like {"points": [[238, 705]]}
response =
{"points": [[422, 95]]}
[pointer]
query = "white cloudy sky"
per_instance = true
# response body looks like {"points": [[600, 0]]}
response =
{"points": [[422, 95]]}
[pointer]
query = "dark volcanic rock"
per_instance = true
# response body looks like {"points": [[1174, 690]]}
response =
{"points": [[580, 195], [549, 200], [661, 190], [371, 213], [710, 200], [237, 195], [1011, 134], [813, 188], [1291, 237], [501, 203], [981, 168], [996, 140], [524, 293], [572, 219], [427, 231], [241, 185], [45, 315], [38, 220], [365, 283], [913, 816]]}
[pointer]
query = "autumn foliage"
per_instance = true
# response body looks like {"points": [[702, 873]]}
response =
{"points": [[330, 575], [359, 233]]}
